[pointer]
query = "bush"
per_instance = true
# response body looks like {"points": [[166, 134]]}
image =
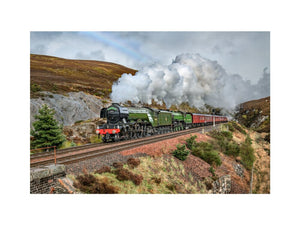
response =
{"points": [[221, 135], [104, 169], [238, 127], [212, 158], [67, 144], [205, 152], [35, 88], [247, 153], [190, 142], [94, 139], [212, 170], [89, 184], [233, 149], [118, 165], [124, 174], [132, 162], [205, 146], [230, 126], [180, 152]]}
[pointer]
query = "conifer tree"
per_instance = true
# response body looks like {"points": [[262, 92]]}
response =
{"points": [[47, 132]]}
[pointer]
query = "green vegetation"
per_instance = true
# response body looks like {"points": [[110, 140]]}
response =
{"points": [[47, 131], [223, 142], [236, 126], [210, 156], [247, 153], [180, 152], [95, 139], [190, 142], [232, 148], [35, 88], [204, 151], [67, 144]]}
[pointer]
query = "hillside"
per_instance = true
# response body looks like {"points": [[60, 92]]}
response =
{"points": [[154, 169], [61, 76], [255, 114]]}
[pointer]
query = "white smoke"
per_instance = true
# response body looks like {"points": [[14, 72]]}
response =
{"points": [[189, 78]]}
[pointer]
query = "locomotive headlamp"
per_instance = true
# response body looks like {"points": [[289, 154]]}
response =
{"points": [[114, 131], [97, 131]]}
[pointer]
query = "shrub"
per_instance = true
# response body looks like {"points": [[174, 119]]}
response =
{"points": [[86, 179], [136, 179], [230, 126], [132, 162], [89, 184], [190, 142], [233, 149], [205, 146], [35, 88], [104, 169], [94, 139], [180, 152], [68, 144], [212, 158], [118, 165], [247, 153], [205, 152], [238, 127], [124, 174], [212, 170], [221, 135], [157, 180], [103, 188]]}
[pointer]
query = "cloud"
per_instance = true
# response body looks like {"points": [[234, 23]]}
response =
{"points": [[95, 55], [244, 53]]}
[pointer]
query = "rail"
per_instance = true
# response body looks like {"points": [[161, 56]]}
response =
{"points": [[51, 147]]}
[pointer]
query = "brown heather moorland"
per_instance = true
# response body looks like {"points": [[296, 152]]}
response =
{"points": [[58, 75]]}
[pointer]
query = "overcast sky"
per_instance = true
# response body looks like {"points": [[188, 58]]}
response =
{"points": [[243, 53]]}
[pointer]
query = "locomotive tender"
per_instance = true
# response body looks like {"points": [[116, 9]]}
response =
{"points": [[125, 123]]}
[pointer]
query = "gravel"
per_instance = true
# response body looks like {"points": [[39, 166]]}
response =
{"points": [[96, 163]]}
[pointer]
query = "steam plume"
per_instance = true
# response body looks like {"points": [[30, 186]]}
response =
{"points": [[189, 78]]}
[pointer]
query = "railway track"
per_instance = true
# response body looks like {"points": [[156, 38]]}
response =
{"points": [[79, 153]]}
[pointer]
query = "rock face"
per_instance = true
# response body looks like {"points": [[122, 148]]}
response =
{"points": [[238, 169], [69, 109], [222, 185]]}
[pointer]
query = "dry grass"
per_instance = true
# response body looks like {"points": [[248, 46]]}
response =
{"points": [[149, 176]]}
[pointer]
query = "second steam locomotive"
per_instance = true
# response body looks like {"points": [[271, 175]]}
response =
{"points": [[124, 123]]}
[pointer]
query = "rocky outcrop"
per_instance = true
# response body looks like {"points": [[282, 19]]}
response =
{"points": [[238, 169], [222, 185], [82, 132], [75, 106]]}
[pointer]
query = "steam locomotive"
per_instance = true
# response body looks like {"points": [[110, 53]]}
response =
{"points": [[124, 123]]}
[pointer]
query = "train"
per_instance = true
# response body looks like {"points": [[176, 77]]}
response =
{"points": [[124, 123]]}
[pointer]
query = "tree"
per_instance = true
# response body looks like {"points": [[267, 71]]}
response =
{"points": [[47, 132]]}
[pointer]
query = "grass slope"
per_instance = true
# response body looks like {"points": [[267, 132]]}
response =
{"points": [[61, 76]]}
